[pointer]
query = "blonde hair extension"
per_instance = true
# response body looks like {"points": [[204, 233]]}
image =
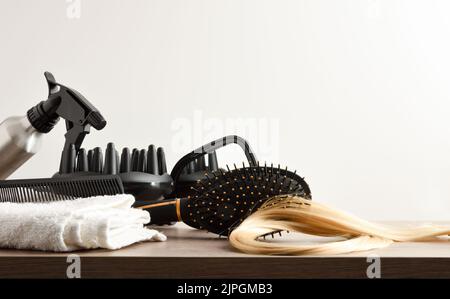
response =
{"points": [[296, 214]]}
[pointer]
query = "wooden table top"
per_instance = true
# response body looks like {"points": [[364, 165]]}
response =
{"points": [[189, 253]]}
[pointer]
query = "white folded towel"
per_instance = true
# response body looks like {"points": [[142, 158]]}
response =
{"points": [[98, 222]]}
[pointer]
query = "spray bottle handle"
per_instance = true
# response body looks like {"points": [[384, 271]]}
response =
{"points": [[79, 114]]}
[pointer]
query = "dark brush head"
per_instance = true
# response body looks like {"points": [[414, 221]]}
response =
{"points": [[223, 199]]}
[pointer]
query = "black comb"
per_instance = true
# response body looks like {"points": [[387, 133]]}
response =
{"points": [[63, 188], [223, 199]]}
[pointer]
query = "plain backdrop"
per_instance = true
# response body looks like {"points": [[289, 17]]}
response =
{"points": [[354, 94]]}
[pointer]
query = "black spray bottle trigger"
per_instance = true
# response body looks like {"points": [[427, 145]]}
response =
{"points": [[72, 105], [79, 114]]}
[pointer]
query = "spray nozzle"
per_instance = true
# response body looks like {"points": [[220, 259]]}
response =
{"points": [[70, 105], [67, 103]]}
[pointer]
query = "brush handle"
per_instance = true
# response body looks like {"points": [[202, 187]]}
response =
{"points": [[166, 211], [210, 148]]}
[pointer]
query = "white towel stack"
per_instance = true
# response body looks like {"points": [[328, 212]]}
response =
{"points": [[98, 222]]}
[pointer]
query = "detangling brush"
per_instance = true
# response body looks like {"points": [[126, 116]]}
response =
{"points": [[223, 199]]}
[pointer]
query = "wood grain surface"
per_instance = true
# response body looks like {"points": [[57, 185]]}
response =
{"points": [[190, 253]]}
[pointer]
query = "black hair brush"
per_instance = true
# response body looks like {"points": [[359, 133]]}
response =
{"points": [[222, 199]]}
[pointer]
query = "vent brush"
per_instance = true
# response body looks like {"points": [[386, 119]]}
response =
{"points": [[223, 199]]}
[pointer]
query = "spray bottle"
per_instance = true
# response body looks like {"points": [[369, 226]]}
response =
{"points": [[21, 136]]}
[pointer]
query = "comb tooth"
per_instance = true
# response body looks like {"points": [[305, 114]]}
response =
{"points": [[107, 187], [135, 160], [22, 193], [11, 195], [76, 190], [112, 187], [15, 193], [142, 161], [34, 195], [90, 189], [69, 190], [94, 189], [2, 194], [97, 159], [48, 196], [82, 161], [152, 160], [102, 187], [66, 190], [125, 160], [106, 190], [90, 157], [55, 189], [30, 194], [27, 193], [212, 161], [63, 191], [38, 192], [162, 161], [82, 188], [73, 189]]}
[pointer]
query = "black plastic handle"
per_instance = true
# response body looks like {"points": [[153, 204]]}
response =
{"points": [[211, 147]]}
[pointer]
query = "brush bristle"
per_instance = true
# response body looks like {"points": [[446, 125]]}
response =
{"points": [[225, 198]]}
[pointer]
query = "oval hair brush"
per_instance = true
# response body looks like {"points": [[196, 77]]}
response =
{"points": [[223, 199]]}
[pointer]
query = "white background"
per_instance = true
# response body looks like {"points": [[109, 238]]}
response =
{"points": [[360, 88]]}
